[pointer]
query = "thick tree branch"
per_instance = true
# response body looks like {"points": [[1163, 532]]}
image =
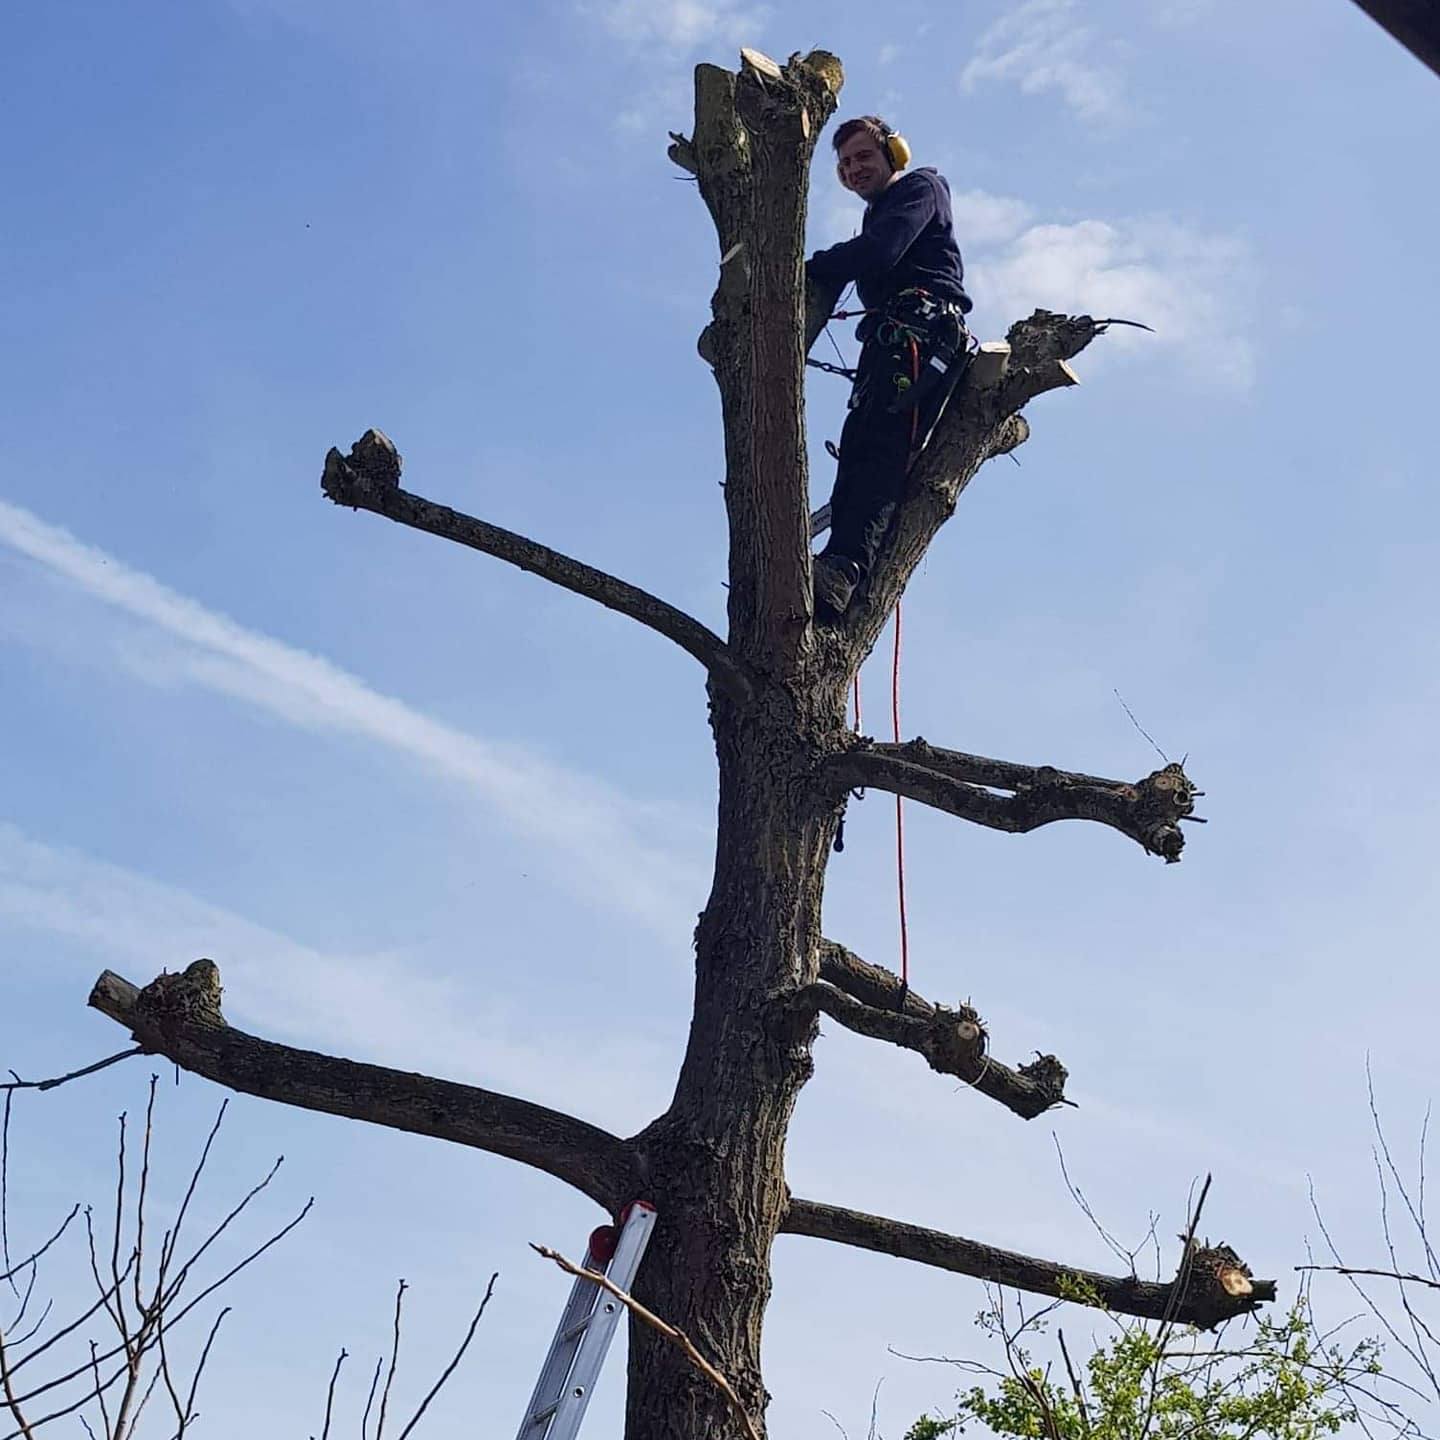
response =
{"points": [[1149, 811], [369, 479], [1213, 1285], [871, 1001], [588, 1158], [981, 421], [755, 132]]}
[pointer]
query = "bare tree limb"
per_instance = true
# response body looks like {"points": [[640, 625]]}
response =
{"points": [[1149, 811], [871, 1001], [1203, 1297], [582, 1155], [369, 479]]}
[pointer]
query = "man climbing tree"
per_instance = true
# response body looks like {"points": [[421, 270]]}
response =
{"points": [[712, 1165], [907, 270]]}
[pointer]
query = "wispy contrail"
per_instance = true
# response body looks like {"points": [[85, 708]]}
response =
{"points": [[597, 834]]}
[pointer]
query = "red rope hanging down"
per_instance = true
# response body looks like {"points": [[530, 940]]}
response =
{"points": [[895, 717], [895, 726], [899, 815]]}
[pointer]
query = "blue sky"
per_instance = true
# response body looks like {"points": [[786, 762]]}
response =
{"points": [[427, 811]]}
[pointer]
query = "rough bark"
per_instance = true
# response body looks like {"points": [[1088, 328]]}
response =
{"points": [[1149, 811], [713, 1163], [872, 1001], [754, 135], [1210, 1287], [579, 1154]]}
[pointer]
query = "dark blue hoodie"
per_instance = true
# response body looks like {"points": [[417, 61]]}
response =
{"points": [[906, 241]]}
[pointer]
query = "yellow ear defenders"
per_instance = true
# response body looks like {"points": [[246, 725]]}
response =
{"points": [[897, 148]]}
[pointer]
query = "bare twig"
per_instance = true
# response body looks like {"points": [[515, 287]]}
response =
{"points": [[30, 1260], [141, 1192], [200, 1366], [1075, 1384], [5, 1190], [676, 1337], [167, 1250], [7, 1386], [101, 1389], [1377, 1274], [394, 1361], [330, 1393], [370, 1399], [1177, 1296], [459, 1355], [224, 1225], [1125, 1256], [18, 1084]]}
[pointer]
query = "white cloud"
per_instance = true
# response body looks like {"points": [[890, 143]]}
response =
{"points": [[982, 219], [381, 1006], [1192, 288], [600, 839], [661, 35], [676, 28], [1040, 47]]}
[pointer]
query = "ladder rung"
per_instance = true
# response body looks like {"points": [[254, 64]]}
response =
{"points": [[578, 1349]]}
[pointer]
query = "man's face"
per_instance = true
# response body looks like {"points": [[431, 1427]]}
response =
{"points": [[863, 166]]}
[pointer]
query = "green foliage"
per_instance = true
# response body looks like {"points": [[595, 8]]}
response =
{"points": [[928, 1428], [1157, 1383]]}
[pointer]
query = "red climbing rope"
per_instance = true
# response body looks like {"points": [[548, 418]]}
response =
{"points": [[895, 717], [895, 723], [899, 813]]}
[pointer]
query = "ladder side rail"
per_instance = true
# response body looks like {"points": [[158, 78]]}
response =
{"points": [[595, 1343], [560, 1358]]}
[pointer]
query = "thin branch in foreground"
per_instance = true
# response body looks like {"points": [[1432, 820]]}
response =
{"points": [[459, 1355], [5, 1190], [7, 1388], [1396, 1275], [676, 1337], [9, 1086], [1125, 1256], [330, 1393], [370, 1399], [30, 1260], [394, 1361]]}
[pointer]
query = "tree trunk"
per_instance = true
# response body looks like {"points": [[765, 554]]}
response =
{"points": [[714, 1163]]}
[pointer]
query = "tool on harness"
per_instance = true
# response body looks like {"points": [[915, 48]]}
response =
{"points": [[915, 321], [847, 371]]}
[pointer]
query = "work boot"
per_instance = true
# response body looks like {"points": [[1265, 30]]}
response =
{"points": [[835, 582]]}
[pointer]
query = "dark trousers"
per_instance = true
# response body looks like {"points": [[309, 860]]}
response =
{"points": [[881, 431]]}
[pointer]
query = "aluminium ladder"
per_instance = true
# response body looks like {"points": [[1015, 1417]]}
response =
{"points": [[587, 1325]]}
